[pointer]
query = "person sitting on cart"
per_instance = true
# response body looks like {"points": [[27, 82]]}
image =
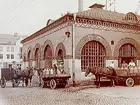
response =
{"points": [[15, 69], [131, 64], [124, 65], [14, 66]]}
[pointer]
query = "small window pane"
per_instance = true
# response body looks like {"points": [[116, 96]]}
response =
{"points": [[8, 56], [12, 49], [1, 56], [1, 48], [8, 49], [12, 56]]}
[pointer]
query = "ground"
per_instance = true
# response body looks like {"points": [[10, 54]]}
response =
{"points": [[118, 95]]}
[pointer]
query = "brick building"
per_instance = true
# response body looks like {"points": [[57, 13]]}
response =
{"points": [[91, 37]]}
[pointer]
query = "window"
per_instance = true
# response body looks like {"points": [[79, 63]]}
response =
{"points": [[93, 54], [5, 64], [131, 17], [8, 49], [8, 56], [1, 48], [126, 53], [20, 56], [12, 49], [112, 42], [1, 56], [12, 56]]}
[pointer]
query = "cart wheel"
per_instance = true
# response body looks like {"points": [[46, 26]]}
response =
{"points": [[3, 82], [130, 82], [52, 84]]}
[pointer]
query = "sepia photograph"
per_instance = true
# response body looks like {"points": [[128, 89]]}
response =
{"points": [[70, 52]]}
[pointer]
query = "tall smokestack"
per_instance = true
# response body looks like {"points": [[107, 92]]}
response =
{"points": [[80, 5]]}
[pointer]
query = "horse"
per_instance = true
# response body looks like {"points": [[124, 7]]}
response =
{"points": [[102, 72], [28, 76]]}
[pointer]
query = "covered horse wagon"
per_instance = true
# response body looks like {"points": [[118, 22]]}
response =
{"points": [[8, 74]]}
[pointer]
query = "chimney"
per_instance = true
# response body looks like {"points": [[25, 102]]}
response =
{"points": [[80, 5], [97, 6]]}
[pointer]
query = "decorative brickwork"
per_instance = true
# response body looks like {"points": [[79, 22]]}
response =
{"points": [[68, 57], [124, 41], [92, 37]]}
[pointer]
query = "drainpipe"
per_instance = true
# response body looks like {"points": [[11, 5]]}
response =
{"points": [[73, 49]]}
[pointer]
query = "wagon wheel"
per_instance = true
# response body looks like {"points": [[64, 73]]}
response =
{"points": [[3, 82], [129, 82], [52, 84]]}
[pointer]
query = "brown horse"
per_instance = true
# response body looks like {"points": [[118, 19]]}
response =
{"points": [[102, 72]]}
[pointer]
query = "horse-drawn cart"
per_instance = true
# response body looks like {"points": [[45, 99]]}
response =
{"points": [[8, 74], [129, 77], [55, 80]]}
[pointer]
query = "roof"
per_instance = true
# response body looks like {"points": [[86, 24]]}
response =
{"points": [[95, 12], [7, 39], [101, 14]]}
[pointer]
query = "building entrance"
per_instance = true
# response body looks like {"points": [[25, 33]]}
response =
{"points": [[126, 53]]}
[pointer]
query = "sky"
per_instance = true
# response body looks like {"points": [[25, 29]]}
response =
{"points": [[25, 17]]}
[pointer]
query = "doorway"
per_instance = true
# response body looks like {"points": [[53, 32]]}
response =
{"points": [[126, 59]]}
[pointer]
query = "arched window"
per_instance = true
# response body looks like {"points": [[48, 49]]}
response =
{"points": [[131, 17], [29, 59], [60, 56], [126, 53], [93, 54], [37, 58], [48, 57]]}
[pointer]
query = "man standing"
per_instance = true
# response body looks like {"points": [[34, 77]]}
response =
{"points": [[112, 65], [132, 64], [15, 69], [14, 66]]}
